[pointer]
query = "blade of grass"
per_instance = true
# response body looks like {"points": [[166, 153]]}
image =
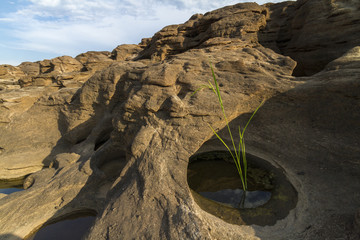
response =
{"points": [[200, 88], [236, 160], [223, 110], [262, 103], [240, 152]]}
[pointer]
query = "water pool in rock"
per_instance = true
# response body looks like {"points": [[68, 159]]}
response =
{"points": [[7, 187], [216, 187], [235, 197], [70, 228]]}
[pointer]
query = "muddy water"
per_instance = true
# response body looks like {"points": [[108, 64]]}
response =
{"points": [[217, 189]]}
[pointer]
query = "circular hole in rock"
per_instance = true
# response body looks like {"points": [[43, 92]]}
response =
{"points": [[216, 187], [71, 227], [108, 161], [111, 162], [7, 187], [113, 168]]}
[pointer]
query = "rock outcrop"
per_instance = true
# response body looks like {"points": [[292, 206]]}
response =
{"points": [[112, 133], [9, 76], [313, 33]]}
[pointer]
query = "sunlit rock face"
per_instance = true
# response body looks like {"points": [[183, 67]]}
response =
{"points": [[112, 133]]}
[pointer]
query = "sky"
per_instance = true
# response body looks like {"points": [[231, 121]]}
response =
{"points": [[33, 30]]}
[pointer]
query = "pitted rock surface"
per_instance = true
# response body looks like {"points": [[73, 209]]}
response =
{"points": [[120, 144]]}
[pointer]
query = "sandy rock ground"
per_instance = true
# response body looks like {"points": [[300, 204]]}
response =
{"points": [[112, 133]]}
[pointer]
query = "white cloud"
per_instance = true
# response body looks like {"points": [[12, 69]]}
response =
{"points": [[47, 3], [69, 27]]}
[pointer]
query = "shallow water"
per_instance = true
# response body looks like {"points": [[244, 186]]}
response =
{"points": [[219, 181], [10, 190], [217, 188], [67, 229], [7, 187], [233, 198]]}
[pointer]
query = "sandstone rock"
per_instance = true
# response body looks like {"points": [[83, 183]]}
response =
{"points": [[357, 221], [13, 103], [8, 86], [62, 71], [65, 64], [243, 23], [30, 68], [94, 61], [45, 66], [313, 33], [347, 61], [144, 42], [9, 76], [28, 117], [125, 52], [26, 81], [28, 182], [64, 159], [44, 79], [73, 80], [58, 65], [11, 73], [120, 145]]}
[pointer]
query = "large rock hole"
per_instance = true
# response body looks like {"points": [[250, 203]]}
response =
{"points": [[270, 195]]}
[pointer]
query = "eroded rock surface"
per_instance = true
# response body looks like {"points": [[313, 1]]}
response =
{"points": [[120, 144], [9, 76], [313, 33]]}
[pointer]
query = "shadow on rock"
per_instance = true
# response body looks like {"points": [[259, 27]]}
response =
{"points": [[9, 237]]}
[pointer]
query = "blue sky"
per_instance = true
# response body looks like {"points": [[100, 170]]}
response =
{"points": [[33, 30]]}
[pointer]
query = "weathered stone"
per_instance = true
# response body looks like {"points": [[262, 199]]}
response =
{"points": [[60, 65], [28, 182], [65, 64], [94, 61], [120, 145], [64, 159], [30, 68], [61, 71], [313, 33], [13, 103], [44, 79], [239, 22], [25, 147], [73, 79], [45, 66], [26, 81], [144, 42], [9, 77], [126, 52], [357, 221], [11, 73]]}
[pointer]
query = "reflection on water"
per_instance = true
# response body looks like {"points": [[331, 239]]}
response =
{"points": [[10, 190], [217, 188], [233, 197], [67, 229]]}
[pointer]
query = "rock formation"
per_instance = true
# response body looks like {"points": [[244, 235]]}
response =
{"points": [[112, 133]]}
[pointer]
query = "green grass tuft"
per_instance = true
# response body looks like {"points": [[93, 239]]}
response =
{"points": [[238, 153]]}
